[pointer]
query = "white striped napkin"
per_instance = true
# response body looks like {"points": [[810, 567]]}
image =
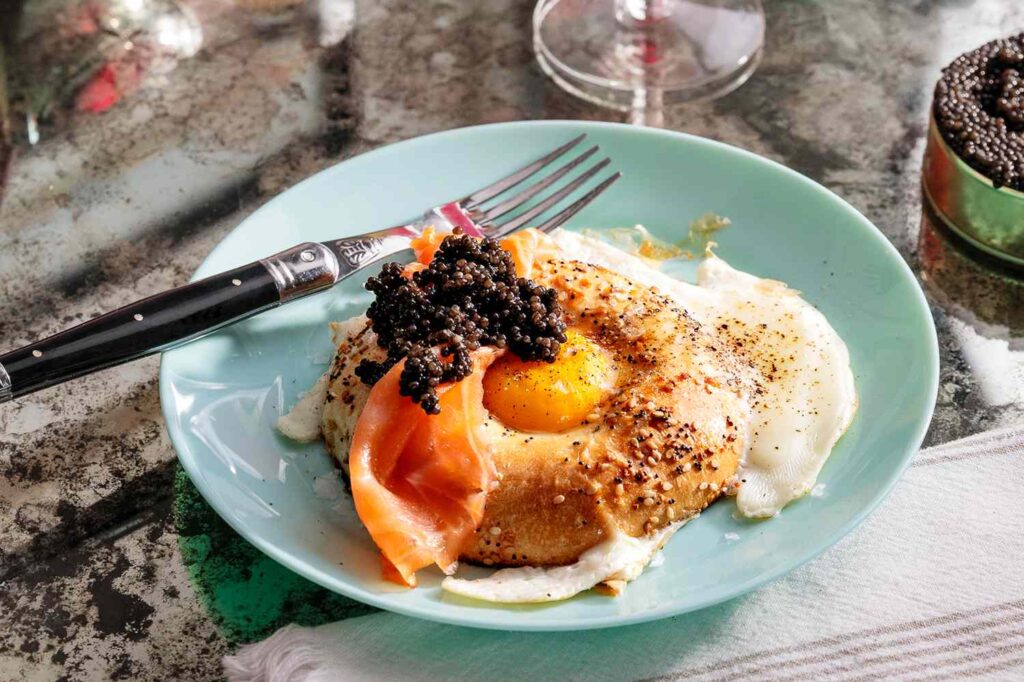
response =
{"points": [[930, 587]]}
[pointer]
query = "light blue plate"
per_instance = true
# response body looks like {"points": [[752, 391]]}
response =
{"points": [[222, 394]]}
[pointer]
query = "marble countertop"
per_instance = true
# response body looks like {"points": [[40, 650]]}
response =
{"points": [[121, 205]]}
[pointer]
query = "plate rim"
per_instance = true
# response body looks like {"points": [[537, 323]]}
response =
{"points": [[486, 619]]}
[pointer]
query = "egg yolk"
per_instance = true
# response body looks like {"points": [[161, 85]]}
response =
{"points": [[549, 397]]}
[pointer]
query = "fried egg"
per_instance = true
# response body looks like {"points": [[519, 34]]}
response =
{"points": [[641, 421], [806, 396], [664, 395]]}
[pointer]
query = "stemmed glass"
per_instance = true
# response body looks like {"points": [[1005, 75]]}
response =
{"points": [[641, 55], [87, 54]]}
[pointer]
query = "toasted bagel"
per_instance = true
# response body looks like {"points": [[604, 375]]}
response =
{"points": [[660, 445]]}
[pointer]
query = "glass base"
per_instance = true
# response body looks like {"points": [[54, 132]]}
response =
{"points": [[687, 50]]}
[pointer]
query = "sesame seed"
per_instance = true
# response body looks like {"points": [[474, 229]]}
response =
{"points": [[37, 353], [714, 486], [559, 499], [703, 485], [670, 513], [688, 466], [619, 489], [652, 461], [237, 282], [495, 530], [648, 501], [666, 486], [138, 317]]}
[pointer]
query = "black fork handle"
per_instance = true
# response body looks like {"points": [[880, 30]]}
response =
{"points": [[168, 319]]}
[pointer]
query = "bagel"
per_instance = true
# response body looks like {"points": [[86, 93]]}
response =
{"points": [[653, 436]]}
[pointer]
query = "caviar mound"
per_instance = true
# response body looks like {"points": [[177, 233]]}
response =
{"points": [[467, 297], [979, 110]]}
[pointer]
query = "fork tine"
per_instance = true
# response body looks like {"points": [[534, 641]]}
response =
{"points": [[552, 199], [493, 190], [575, 207], [518, 200]]}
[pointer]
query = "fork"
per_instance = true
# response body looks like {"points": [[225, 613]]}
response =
{"points": [[180, 315]]}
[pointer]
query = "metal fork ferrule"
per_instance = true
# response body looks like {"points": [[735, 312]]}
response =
{"points": [[302, 270]]}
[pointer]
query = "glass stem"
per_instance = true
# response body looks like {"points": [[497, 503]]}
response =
{"points": [[638, 13], [648, 108]]}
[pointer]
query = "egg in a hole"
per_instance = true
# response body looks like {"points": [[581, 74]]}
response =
{"points": [[638, 423], [576, 468]]}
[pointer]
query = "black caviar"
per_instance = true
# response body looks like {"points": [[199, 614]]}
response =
{"points": [[979, 109], [469, 296]]}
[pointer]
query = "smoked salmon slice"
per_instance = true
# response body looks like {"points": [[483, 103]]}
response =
{"points": [[526, 246], [427, 244], [420, 481]]}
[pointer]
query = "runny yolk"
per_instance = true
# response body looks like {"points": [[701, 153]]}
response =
{"points": [[549, 397]]}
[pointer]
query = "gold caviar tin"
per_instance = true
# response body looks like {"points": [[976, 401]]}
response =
{"points": [[966, 202]]}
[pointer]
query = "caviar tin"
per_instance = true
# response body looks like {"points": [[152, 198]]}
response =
{"points": [[967, 202]]}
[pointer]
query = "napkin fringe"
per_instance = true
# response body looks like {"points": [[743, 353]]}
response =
{"points": [[292, 653]]}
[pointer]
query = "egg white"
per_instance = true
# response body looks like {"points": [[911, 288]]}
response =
{"points": [[302, 422], [811, 399], [618, 558], [807, 402]]}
